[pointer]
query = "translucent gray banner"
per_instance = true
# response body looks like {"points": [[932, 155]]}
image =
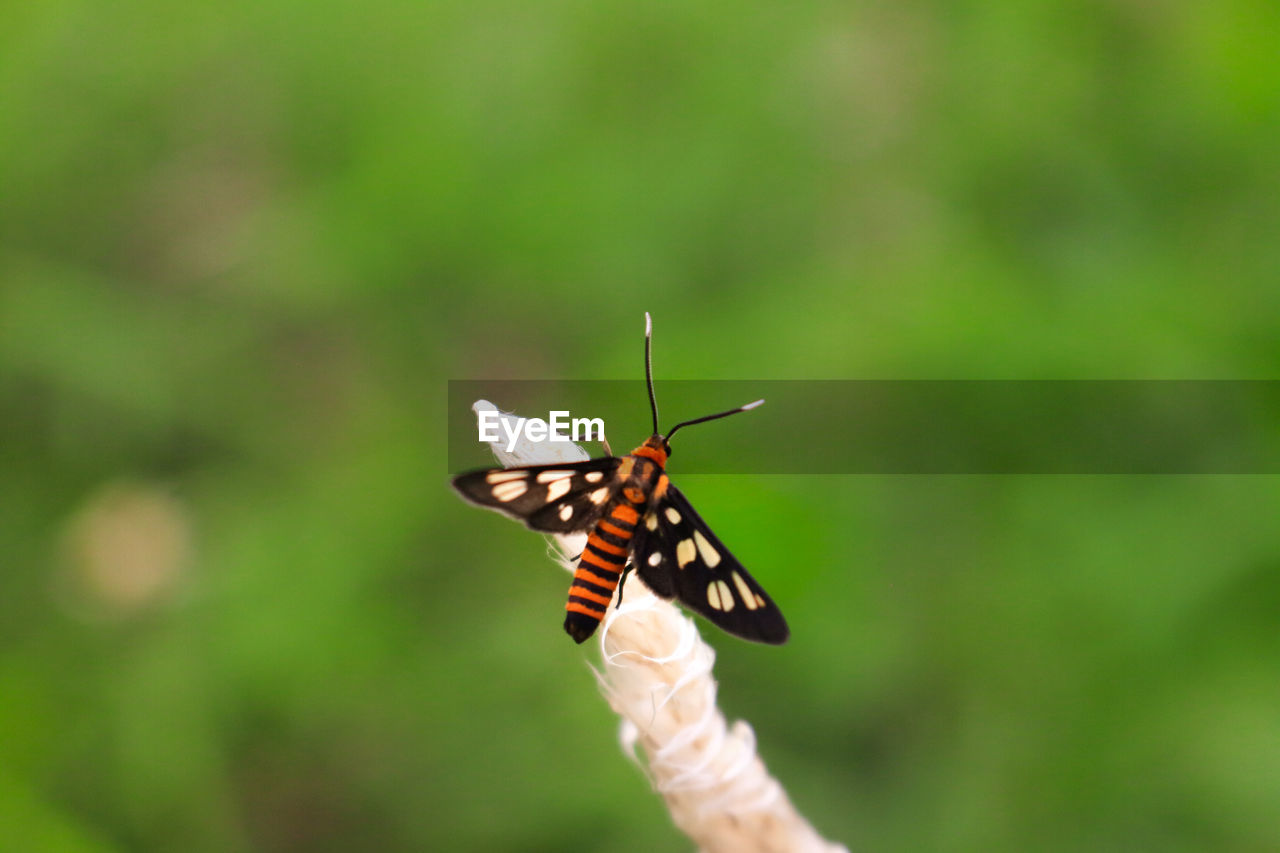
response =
{"points": [[912, 427]]}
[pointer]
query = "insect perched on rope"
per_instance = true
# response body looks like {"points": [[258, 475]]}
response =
{"points": [[632, 511]]}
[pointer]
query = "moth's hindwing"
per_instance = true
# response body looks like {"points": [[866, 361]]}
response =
{"points": [[552, 498], [677, 555]]}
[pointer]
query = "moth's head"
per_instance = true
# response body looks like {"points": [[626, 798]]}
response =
{"points": [[658, 443], [659, 448]]}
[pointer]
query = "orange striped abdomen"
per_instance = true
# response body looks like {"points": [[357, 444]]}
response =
{"points": [[599, 569]]}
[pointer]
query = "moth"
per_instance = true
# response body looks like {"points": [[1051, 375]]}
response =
{"points": [[637, 521]]}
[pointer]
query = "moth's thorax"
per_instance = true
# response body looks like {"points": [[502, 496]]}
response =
{"points": [[644, 481]]}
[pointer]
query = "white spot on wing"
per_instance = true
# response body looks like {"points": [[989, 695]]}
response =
{"points": [[709, 555], [510, 491], [594, 476], [655, 558], [599, 496], [558, 488], [685, 552], [745, 592], [719, 596], [760, 601], [651, 521], [495, 477], [551, 476], [672, 515], [566, 512], [726, 597]]}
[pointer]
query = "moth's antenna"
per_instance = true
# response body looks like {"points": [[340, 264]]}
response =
{"points": [[748, 407], [648, 368]]}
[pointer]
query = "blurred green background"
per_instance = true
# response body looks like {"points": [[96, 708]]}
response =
{"points": [[243, 247]]}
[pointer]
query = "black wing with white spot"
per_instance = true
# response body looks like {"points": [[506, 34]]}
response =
{"points": [[552, 498], [678, 556]]}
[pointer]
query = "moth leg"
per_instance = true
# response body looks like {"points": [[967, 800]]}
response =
{"points": [[604, 441], [622, 581]]}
